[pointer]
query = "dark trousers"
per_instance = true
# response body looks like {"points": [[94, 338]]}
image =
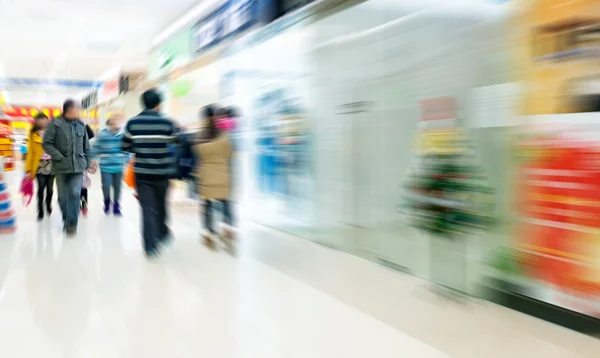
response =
{"points": [[208, 214], [45, 191], [153, 200], [84, 198]]}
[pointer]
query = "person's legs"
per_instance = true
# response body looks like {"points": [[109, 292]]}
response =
{"points": [[83, 199], [228, 234], [75, 192], [116, 184], [227, 217], [42, 181], [161, 191], [49, 193], [63, 194], [208, 224], [145, 191], [117, 180], [106, 179]]}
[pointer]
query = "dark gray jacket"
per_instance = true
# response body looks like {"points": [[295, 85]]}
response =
{"points": [[68, 144]]}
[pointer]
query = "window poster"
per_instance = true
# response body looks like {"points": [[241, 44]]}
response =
{"points": [[554, 254]]}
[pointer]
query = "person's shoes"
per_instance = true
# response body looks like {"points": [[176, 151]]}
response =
{"points": [[152, 255], [208, 241], [229, 240], [49, 210], [84, 211], [107, 206], [228, 233], [167, 241], [117, 209], [71, 231], [40, 216]]}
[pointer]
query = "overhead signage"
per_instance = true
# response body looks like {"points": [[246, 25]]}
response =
{"points": [[291, 5], [284, 11], [38, 82], [232, 18]]}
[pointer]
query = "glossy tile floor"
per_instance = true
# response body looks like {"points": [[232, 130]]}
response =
{"points": [[281, 296]]}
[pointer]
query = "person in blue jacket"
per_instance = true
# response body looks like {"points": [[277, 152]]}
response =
{"points": [[112, 162]]}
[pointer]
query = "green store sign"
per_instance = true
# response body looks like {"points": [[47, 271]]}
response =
{"points": [[170, 55]]}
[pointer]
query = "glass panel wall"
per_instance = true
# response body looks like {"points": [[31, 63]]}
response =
{"points": [[332, 108]]}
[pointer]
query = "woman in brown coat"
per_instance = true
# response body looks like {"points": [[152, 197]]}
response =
{"points": [[213, 175]]}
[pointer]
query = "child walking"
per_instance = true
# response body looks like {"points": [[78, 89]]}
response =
{"points": [[112, 163], [87, 182]]}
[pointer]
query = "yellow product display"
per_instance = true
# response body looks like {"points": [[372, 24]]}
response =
{"points": [[443, 141], [557, 55]]}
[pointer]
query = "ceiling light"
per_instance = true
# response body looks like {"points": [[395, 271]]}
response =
{"points": [[190, 16]]}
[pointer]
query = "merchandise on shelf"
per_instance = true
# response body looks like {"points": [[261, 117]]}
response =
{"points": [[448, 194]]}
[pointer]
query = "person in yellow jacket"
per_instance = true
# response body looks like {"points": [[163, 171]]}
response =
{"points": [[38, 165]]}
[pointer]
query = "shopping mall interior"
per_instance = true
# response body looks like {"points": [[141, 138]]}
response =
{"points": [[398, 172]]}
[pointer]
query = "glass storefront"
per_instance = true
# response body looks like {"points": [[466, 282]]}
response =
{"points": [[332, 107], [387, 130], [268, 83]]}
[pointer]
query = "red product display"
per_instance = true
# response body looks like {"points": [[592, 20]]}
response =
{"points": [[560, 209]]}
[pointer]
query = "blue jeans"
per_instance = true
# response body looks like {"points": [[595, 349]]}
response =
{"points": [[111, 180], [69, 195], [208, 214]]}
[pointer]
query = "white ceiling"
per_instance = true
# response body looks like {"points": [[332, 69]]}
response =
{"points": [[79, 39]]}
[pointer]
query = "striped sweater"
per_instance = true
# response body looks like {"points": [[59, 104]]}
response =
{"points": [[108, 148], [150, 137]]}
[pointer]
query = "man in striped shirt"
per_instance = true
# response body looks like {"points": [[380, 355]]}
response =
{"points": [[149, 136]]}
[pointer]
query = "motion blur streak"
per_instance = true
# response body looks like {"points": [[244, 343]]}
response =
{"points": [[311, 178]]}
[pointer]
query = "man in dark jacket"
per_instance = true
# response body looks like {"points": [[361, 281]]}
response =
{"points": [[67, 142], [150, 136]]}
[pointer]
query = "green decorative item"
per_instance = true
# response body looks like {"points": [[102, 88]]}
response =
{"points": [[448, 195], [180, 88]]}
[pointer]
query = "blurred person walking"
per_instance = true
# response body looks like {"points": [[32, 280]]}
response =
{"points": [[214, 177], [38, 165], [67, 142], [112, 162], [149, 137]]}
